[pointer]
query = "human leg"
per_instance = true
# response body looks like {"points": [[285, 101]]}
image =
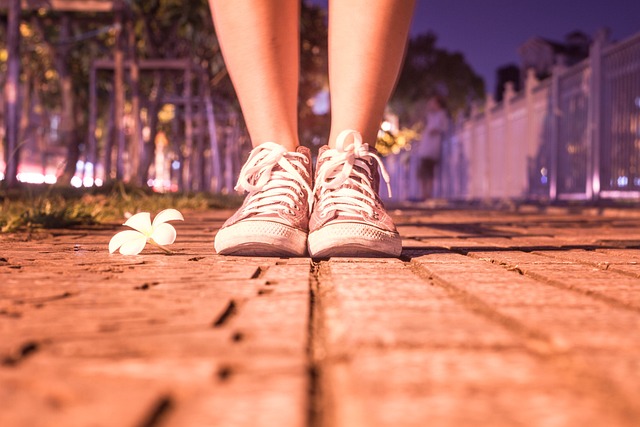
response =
{"points": [[259, 41], [366, 45], [427, 173], [260, 44]]}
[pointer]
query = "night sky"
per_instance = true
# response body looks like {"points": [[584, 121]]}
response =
{"points": [[488, 32]]}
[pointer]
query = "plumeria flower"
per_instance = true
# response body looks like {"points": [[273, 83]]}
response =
{"points": [[159, 233]]}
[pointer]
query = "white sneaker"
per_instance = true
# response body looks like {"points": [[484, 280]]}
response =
{"points": [[348, 217], [274, 218]]}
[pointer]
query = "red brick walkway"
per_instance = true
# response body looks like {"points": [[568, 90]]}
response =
{"points": [[490, 318]]}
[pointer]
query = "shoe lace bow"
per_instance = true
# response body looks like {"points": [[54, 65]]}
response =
{"points": [[343, 187]]}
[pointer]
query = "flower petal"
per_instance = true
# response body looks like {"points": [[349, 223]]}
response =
{"points": [[135, 246], [121, 238], [164, 234], [141, 222], [167, 215]]}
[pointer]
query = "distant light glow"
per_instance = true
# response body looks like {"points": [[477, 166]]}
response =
{"points": [[159, 185], [76, 181], [35, 178], [321, 103], [623, 181], [637, 101], [175, 165], [98, 182], [543, 175], [87, 181], [1, 176], [636, 182], [385, 126]]}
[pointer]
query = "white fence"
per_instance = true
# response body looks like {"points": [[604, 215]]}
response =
{"points": [[575, 135]]}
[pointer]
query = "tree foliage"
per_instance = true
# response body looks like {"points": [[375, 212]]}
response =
{"points": [[429, 70]]}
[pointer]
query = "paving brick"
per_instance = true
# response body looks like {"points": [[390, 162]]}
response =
{"points": [[571, 272], [528, 317], [193, 337], [400, 351]]}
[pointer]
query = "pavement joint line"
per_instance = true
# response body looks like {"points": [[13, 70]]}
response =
{"points": [[601, 266], [26, 350], [260, 272], [230, 311], [323, 401], [540, 343], [521, 270], [314, 369], [541, 346], [158, 411]]}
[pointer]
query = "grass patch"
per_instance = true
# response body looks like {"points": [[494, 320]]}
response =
{"points": [[33, 207]]}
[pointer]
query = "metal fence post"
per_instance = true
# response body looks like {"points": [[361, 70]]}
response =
{"points": [[472, 177], [556, 116], [488, 107], [529, 84], [595, 99], [509, 141]]}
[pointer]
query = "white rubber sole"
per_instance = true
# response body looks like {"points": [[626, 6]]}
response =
{"points": [[261, 238], [353, 240]]}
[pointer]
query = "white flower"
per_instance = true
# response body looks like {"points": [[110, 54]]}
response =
{"points": [[131, 242]]}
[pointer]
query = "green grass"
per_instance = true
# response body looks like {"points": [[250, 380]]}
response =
{"points": [[35, 207]]}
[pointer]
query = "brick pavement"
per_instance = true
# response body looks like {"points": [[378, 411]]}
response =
{"points": [[490, 317]]}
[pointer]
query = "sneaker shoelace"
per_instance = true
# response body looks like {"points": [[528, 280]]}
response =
{"points": [[343, 187], [271, 191]]}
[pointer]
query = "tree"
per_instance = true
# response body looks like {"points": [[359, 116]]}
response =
{"points": [[171, 29], [429, 70], [11, 90], [59, 48]]}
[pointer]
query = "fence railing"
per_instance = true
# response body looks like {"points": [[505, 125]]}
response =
{"points": [[575, 135]]}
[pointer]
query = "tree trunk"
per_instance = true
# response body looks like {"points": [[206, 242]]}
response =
{"points": [[92, 152], [118, 88], [188, 130], [108, 142], [68, 122], [11, 98], [136, 144], [175, 137], [199, 152], [216, 167], [157, 93]]}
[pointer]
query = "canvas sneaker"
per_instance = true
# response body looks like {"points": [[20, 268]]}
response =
{"points": [[348, 217], [274, 218]]}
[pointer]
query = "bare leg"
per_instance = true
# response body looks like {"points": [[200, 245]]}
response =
{"points": [[260, 43], [366, 45]]}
